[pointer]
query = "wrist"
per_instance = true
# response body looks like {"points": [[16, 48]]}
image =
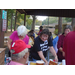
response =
{"points": [[55, 55]]}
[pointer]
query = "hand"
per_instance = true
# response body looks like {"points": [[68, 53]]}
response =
{"points": [[56, 59], [46, 63], [63, 54]]}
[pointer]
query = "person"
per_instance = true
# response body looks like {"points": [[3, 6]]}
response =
{"points": [[69, 48], [55, 41], [31, 34], [31, 39], [51, 35], [21, 33], [19, 53], [40, 47], [41, 28], [67, 29]]}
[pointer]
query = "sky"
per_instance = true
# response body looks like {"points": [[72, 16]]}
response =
{"points": [[41, 17]]}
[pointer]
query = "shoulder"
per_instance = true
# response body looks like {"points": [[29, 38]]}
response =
{"points": [[61, 36], [27, 36], [70, 34], [37, 39], [14, 34]]}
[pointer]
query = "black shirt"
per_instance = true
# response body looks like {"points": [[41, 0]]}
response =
{"points": [[39, 45]]}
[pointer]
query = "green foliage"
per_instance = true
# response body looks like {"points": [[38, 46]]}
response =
{"points": [[56, 31], [51, 20], [38, 22], [20, 18], [55, 20]]}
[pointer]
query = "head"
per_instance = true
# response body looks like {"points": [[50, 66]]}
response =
{"points": [[19, 51], [50, 33], [67, 29], [44, 35], [41, 27], [22, 31], [30, 33]]}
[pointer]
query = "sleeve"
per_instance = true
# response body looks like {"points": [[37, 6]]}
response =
{"points": [[54, 42], [27, 39], [50, 43], [37, 46], [13, 35], [64, 45], [59, 42]]}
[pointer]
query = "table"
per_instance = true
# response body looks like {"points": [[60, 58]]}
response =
{"points": [[35, 62], [2, 55]]}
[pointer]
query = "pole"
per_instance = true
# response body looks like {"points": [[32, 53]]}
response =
{"points": [[60, 25], [24, 19], [15, 21], [73, 22], [33, 24]]}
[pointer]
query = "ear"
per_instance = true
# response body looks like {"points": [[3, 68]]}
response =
{"points": [[24, 57]]}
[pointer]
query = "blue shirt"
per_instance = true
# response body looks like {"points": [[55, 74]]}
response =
{"points": [[55, 43]]}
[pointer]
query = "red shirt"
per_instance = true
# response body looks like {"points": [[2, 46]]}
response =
{"points": [[69, 48], [60, 44], [39, 32]]}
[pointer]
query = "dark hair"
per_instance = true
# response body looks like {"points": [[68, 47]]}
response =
{"points": [[45, 31], [40, 27], [68, 27]]}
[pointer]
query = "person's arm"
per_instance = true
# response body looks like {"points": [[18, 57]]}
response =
{"points": [[9, 43], [54, 53], [59, 44], [40, 53]]}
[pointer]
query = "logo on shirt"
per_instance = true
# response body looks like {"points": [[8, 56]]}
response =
{"points": [[44, 46]]}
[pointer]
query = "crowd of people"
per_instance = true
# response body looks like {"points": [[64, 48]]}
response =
{"points": [[24, 46]]}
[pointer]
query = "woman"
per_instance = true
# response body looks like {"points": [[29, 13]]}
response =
{"points": [[19, 34], [60, 43], [40, 47]]}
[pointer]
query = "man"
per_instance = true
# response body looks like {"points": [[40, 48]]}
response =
{"points": [[40, 47], [69, 48], [41, 28], [19, 53]]}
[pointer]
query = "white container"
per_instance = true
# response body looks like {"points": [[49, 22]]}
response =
{"points": [[63, 62]]}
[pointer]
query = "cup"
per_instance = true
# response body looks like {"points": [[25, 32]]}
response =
{"points": [[39, 62], [63, 62]]}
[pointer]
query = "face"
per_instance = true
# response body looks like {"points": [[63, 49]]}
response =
{"points": [[26, 58], [44, 37], [67, 31]]}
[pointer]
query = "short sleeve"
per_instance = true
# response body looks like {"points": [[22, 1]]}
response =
{"points": [[50, 43], [37, 46], [13, 35]]}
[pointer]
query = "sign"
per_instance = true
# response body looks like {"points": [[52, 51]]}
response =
{"points": [[4, 14], [4, 20], [4, 25]]}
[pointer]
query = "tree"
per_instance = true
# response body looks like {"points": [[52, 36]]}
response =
{"points": [[20, 18]]}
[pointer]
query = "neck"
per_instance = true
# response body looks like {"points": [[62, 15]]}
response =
{"points": [[64, 34]]}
